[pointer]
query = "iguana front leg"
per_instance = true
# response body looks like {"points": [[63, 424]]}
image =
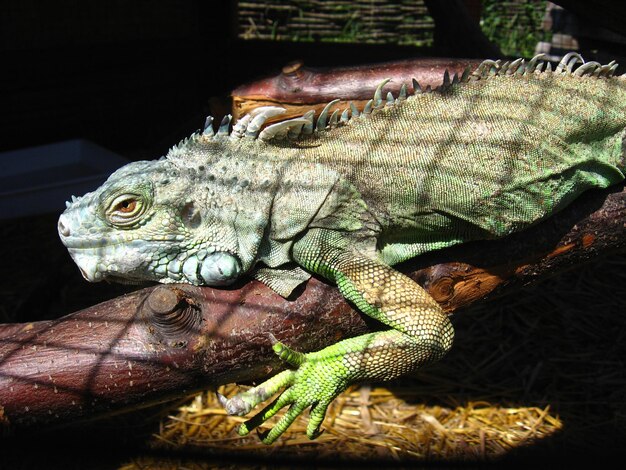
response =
{"points": [[421, 333]]}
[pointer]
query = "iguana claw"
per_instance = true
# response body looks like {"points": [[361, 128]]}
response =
{"points": [[315, 382], [234, 406]]}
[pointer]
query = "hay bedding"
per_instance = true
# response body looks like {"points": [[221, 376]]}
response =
{"points": [[366, 424]]}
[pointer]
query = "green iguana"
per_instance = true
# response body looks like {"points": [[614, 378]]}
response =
{"points": [[347, 196]]}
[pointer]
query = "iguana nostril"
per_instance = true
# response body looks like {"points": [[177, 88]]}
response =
{"points": [[63, 229]]}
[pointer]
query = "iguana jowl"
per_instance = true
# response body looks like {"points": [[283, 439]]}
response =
{"points": [[485, 155]]}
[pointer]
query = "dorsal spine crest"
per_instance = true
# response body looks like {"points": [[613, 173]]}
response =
{"points": [[251, 125]]}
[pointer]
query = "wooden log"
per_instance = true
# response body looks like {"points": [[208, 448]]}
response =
{"points": [[153, 345], [167, 341], [299, 89]]}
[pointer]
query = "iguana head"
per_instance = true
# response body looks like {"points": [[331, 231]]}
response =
{"points": [[163, 221], [217, 204]]}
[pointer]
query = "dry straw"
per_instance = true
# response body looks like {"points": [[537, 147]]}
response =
{"points": [[365, 423]]}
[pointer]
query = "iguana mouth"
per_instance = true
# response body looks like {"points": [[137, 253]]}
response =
{"points": [[78, 243], [91, 273]]}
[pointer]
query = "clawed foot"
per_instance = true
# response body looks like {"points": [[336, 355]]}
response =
{"points": [[315, 381]]}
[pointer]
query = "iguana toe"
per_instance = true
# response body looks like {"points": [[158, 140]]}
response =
{"points": [[317, 380]]}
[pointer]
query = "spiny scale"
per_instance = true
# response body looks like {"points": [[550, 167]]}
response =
{"points": [[250, 125]]}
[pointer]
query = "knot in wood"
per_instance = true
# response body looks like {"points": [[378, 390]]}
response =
{"points": [[163, 300], [442, 290]]}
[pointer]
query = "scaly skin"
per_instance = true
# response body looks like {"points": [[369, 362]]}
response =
{"points": [[503, 149]]}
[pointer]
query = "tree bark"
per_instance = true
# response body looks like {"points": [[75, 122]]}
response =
{"points": [[167, 341]]}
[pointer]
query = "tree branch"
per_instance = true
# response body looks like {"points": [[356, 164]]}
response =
{"points": [[299, 89]]}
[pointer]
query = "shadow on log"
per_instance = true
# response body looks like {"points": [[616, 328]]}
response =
{"points": [[164, 342]]}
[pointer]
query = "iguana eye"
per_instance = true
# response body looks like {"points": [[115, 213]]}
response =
{"points": [[124, 210], [126, 206]]}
